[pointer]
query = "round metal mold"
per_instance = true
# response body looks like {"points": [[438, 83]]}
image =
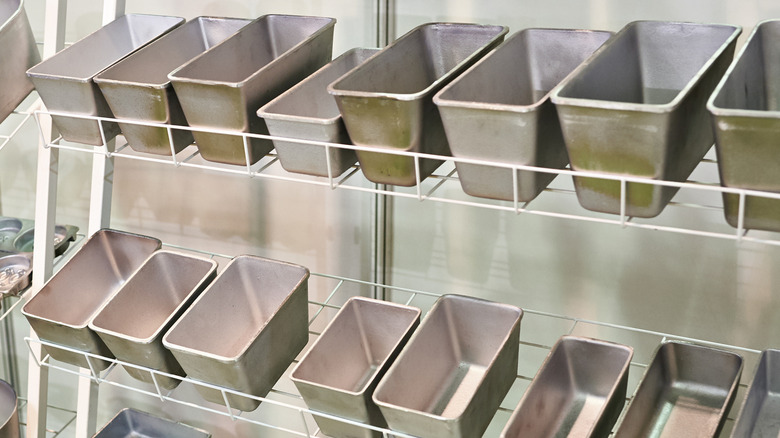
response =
{"points": [[9, 228], [14, 273], [9, 420], [24, 242]]}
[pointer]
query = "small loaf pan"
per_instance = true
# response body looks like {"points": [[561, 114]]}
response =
{"points": [[500, 110], [133, 322], [138, 88], [746, 112], [129, 423], [760, 414], [339, 373], [65, 81], [9, 416], [387, 101], [18, 52], [637, 107], [244, 330], [579, 391], [686, 392], [452, 375], [308, 112], [61, 311], [223, 87]]}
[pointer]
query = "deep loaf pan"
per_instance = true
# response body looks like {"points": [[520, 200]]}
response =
{"points": [[244, 330], [66, 83], [453, 373], [223, 87], [129, 423], [61, 311], [500, 110], [18, 52], [306, 111], [387, 101], [760, 414], [339, 373], [637, 107], [746, 113], [138, 88], [9, 417]]}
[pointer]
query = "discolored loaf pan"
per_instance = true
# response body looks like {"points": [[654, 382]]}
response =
{"points": [[339, 373], [18, 52], [65, 81], [579, 391], [637, 107], [244, 330], [760, 413], [306, 111], [500, 110], [387, 101], [138, 88], [129, 423], [745, 109], [133, 322], [686, 392], [61, 311], [9, 417], [453, 373], [223, 87]]}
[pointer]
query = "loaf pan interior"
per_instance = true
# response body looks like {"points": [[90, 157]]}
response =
{"points": [[130, 423], [760, 414]]}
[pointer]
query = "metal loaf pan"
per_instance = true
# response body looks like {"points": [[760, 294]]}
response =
{"points": [[637, 107], [129, 423], [387, 101], [760, 414], [686, 392], [500, 110], [65, 81], [61, 311], [223, 87], [133, 322], [452, 375], [138, 88], [18, 52], [746, 112], [308, 112], [579, 391], [339, 373], [9, 417], [244, 330]]}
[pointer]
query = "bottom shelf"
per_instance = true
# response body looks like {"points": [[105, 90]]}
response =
{"points": [[57, 422]]}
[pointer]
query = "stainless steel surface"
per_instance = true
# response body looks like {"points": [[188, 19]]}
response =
{"points": [[307, 111], [686, 392], [760, 413], [138, 88], [129, 423], [579, 391], [15, 270], [453, 373], [387, 102], [245, 329], [746, 113], [224, 87], [637, 107], [339, 373], [18, 52], [61, 311], [9, 418], [133, 322], [500, 110], [65, 81]]}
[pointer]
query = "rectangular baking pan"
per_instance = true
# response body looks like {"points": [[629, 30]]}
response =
{"points": [[18, 52], [223, 87], [760, 413], [65, 82], [745, 109], [500, 110], [387, 102], [130, 423], [306, 111], [138, 88], [453, 373], [244, 330], [579, 391], [686, 392], [339, 373], [133, 322], [61, 311], [637, 107], [9, 416]]}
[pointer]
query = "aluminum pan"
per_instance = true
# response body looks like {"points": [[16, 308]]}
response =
{"points": [[18, 52], [65, 81], [453, 373], [15, 271], [267, 56], [760, 412], [129, 423], [389, 87], [307, 111], [500, 110], [637, 107], [9, 418]]}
